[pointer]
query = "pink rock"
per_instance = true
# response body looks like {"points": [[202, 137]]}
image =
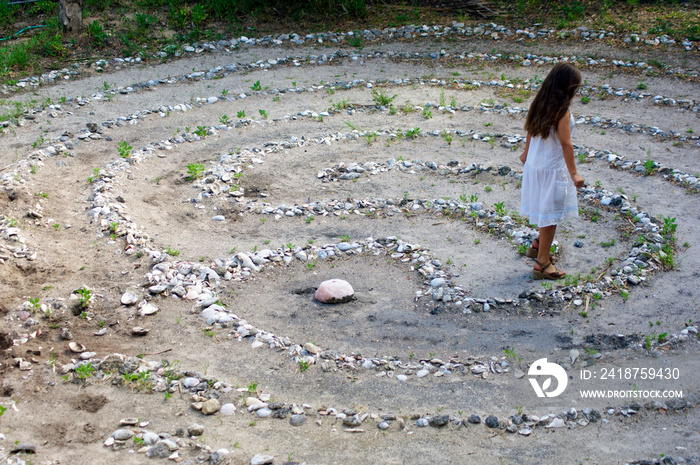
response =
{"points": [[334, 291]]}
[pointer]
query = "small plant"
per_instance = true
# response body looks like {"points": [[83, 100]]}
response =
{"points": [[223, 119], [412, 133], [477, 241], [447, 137], [195, 170], [585, 100], [257, 87], [84, 296], [309, 219], [510, 353], [648, 166], [381, 98], [344, 238], [34, 303], [427, 114], [500, 208], [473, 198], [172, 252], [303, 365], [124, 149], [240, 114], [488, 189], [224, 93], [641, 86], [201, 131], [263, 113], [84, 371], [209, 332]]}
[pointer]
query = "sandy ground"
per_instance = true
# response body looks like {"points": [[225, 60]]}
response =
{"points": [[384, 320]]}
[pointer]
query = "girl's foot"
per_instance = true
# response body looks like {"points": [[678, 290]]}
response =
{"points": [[547, 271]]}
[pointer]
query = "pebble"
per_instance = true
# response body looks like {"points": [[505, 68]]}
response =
{"points": [[260, 459], [24, 447], [491, 421], [159, 451], [297, 420], [383, 425], [195, 430], [556, 423], [334, 291], [122, 434], [210, 407], [129, 298], [475, 419], [227, 409]]}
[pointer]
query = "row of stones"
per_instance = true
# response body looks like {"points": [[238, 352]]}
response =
{"points": [[207, 394], [222, 71], [488, 31]]}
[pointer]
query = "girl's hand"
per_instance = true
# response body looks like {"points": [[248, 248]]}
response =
{"points": [[578, 180], [523, 157]]}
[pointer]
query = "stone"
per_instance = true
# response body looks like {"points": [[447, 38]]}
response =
{"points": [[297, 420], [474, 419], [227, 409], [129, 298], [122, 434], [439, 420], [556, 423], [210, 407], [148, 309], [24, 447], [334, 291], [491, 421], [383, 425], [195, 429], [260, 459], [159, 451]]}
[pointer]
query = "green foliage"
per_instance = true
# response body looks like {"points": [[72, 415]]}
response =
{"points": [[84, 296], [195, 170], [256, 87], [124, 150], [412, 133], [84, 371], [172, 252], [201, 131], [381, 98], [96, 33], [648, 166]]}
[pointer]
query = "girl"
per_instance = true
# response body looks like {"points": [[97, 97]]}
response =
{"points": [[548, 192]]}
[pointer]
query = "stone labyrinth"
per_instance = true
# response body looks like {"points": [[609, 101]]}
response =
{"points": [[165, 227]]}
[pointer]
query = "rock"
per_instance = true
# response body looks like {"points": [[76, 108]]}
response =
{"points": [[150, 438], [474, 419], [250, 401], [66, 334], [227, 409], [159, 451], [260, 459], [148, 309], [525, 432], [491, 421], [76, 348], [297, 420], [263, 412], [129, 298], [24, 447], [122, 434], [195, 430], [139, 331], [210, 407], [556, 423], [422, 373], [352, 421], [422, 422], [383, 425], [334, 291], [311, 348], [439, 420]]}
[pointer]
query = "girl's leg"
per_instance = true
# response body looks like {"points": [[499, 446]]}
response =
{"points": [[545, 243]]}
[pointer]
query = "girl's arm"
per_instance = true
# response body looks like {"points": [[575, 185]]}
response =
{"points": [[564, 133], [523, 156]]}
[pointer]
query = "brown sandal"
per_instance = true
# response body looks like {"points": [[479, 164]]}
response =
{"points": [[542, 274]]}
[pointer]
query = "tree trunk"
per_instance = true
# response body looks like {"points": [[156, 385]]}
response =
{"points": [[70, 15]]}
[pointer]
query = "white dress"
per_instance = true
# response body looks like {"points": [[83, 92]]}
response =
{"points": [[548, 194]]}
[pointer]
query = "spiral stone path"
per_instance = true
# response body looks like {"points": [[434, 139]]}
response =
{"points": [[164, 224]]}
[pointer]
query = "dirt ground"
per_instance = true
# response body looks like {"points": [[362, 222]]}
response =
{"points": [[68, 421]]}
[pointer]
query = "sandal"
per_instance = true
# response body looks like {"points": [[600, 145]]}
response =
{"points": [[542, 274]]}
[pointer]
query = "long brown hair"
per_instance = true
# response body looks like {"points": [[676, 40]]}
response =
{"points": [[553, 99]]}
